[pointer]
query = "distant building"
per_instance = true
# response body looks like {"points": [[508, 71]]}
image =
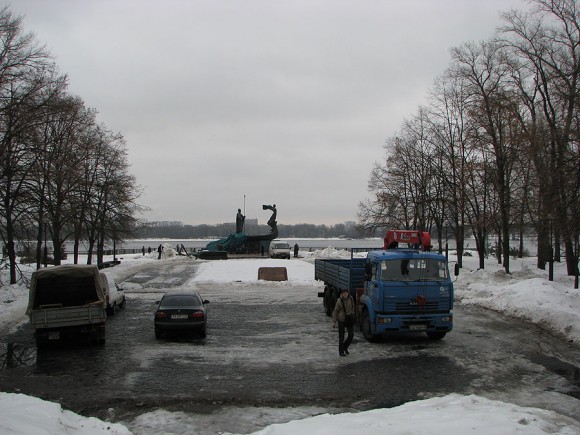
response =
{"points": [[163, 224]]}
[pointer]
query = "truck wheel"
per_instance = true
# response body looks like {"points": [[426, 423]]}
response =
{"points": [[101, 336], [436, 335], [332, 297], [365, 326], [40, 342], [326, 302]]}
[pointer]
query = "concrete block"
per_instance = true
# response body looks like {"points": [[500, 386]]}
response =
{"points": [[273, 274]]}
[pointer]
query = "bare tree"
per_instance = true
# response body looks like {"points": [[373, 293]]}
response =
{"points": [[111, 204], [24, 67], [406, 194], [492, 108], [60, 173], [548, 39], [64, 169], [448, 117]]}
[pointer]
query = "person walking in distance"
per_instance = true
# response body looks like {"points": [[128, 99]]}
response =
{"points": [[344, 313]]}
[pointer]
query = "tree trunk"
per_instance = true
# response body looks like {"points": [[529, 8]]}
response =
{"points": [[544, 244], [39, 245], [101, 248], [571, 257], [11, 250], [506, 247], [480, 246], [460, 243], [90, 250]]}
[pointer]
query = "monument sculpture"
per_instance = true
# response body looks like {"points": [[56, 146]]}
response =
{"points": [[241, 243]]}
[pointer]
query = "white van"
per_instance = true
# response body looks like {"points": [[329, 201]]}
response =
{"points": [[279, 249], [115, 295]]}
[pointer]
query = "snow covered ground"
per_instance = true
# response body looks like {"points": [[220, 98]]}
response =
{"points": [[525, 293]]}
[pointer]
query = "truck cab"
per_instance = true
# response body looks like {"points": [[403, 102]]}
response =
{"points": [[406, 290]]}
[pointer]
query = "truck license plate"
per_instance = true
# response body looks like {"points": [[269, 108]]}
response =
{"points": [[53, 335], [179, 316], [417, 327]]}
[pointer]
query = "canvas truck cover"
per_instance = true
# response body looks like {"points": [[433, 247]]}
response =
{"points": [[65, 286]]}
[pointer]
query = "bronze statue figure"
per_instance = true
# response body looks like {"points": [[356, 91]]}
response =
{"points": [[240, 218], [272, 221]]}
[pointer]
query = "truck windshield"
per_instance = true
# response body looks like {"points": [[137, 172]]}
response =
{"points": [[420, 269]]}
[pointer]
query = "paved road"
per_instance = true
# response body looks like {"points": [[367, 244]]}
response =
{"points": [[263, 351]]}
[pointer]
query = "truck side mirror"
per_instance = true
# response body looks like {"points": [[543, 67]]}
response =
{"points": [[456, 269]]}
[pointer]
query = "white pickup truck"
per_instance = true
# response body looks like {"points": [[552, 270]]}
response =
{"points": [[67, 302]]}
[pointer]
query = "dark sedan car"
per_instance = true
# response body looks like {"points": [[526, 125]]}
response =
{"points": [[181, 311]]}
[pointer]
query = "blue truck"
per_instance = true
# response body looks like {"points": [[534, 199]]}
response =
{"points": [[397, 289]]}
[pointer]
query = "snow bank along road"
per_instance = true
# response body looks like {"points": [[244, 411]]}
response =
{"points": [[269, 344]]}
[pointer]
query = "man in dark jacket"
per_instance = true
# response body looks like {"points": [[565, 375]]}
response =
{"points": [[344, 312]]}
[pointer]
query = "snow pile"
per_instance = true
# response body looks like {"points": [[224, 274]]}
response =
{"points": [[329, 252], [13, 303], [21, 414], [525, 294], [450, 414], [25, 415]]}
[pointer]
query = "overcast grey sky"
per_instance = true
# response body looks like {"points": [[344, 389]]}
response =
{"points": [[285, 102]]}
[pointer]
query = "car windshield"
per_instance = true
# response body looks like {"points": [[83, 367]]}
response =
{"points": [[181, 301], [419, 269], [282, 246]]}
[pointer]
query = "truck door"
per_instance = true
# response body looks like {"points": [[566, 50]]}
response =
{"points": [[373, 283]]}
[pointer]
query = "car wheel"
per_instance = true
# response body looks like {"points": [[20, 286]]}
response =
{"points": [[123, 303], [112, 310], [203, 333], [158, 333]]}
